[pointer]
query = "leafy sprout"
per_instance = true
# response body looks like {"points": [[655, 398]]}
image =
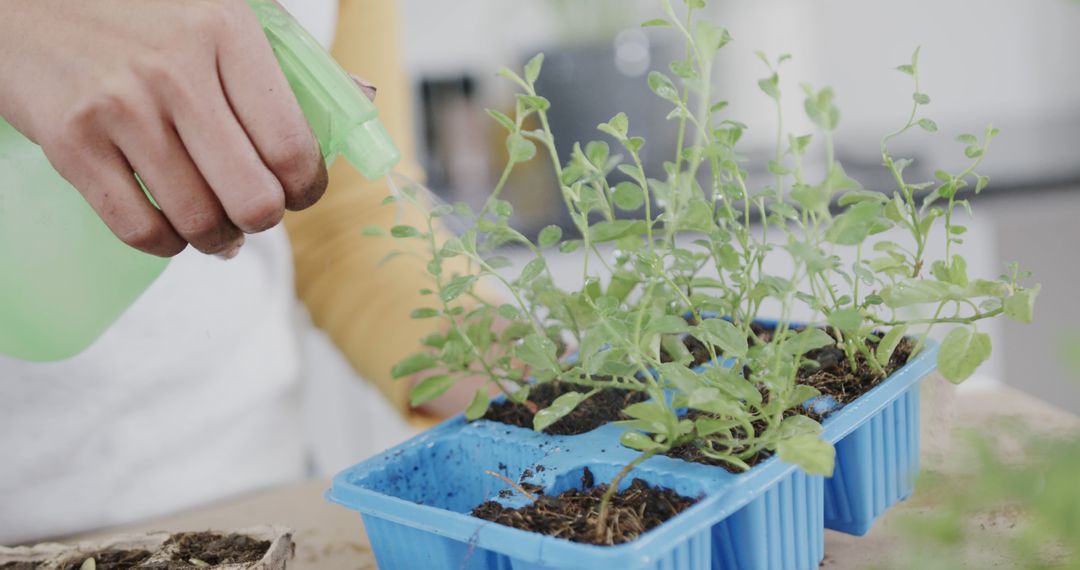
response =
{"points": [[696, 253]]}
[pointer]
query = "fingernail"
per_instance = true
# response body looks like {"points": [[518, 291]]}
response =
{"points": [[229, 254], [369, 88]]}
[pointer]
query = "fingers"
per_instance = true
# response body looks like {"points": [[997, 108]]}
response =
{"points": [[260, 97], [249, 193], [105, 179], [155, 151], [369, 89]]}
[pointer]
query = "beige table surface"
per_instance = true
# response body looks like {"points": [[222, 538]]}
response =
{"points": [[331, 537]]}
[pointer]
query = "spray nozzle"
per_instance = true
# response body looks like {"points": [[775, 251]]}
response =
{"points": [[343, 119]]}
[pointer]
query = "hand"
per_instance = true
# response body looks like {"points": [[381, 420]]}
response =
{"points": [[187, 94]]}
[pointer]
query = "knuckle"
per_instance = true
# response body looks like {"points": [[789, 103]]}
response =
{"points": [[261, 212], [116, 100], [199, 227], [157, 70], [297, 162], [212, 17], [146, 235]]}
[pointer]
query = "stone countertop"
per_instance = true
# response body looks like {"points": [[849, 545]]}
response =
{"points": [[330, 537]]}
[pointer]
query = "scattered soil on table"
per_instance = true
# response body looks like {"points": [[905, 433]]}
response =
{"points": [[603, 407], [215, 548], [573, 514], [108, 559], [19, 566]]}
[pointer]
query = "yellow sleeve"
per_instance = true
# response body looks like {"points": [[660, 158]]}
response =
{"points": [[363, 306]]}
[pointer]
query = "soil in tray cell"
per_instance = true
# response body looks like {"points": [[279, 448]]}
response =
{"points": [[216, 548], [603, 407], [573, 514]]}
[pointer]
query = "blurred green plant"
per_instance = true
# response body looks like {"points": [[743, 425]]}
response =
{"points": [[1028, 509], [1026, 499]]}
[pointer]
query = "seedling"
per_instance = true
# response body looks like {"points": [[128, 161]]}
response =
{"points": [[690, 246]]}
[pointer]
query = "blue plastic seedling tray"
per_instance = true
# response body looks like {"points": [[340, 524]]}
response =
{"points": [[415, 498]]}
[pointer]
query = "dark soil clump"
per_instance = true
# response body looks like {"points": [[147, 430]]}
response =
{"points": [[693, 454], [19, 566], [217, 548], [109, 560], [603, 407], [572, 515]]}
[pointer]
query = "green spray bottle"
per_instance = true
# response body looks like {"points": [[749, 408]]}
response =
{"points": [[65, 278]]}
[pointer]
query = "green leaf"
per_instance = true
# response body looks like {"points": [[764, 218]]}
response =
{"points": [[456, 287], [652, 412], [532, 270], [508, 311], [617, 126], [908, 69], [797, 425], [915, 292], [1020, 306], [507, 73], [503, 209], [667, 324], [857, 223], [479, 405], [415, 362], [549, 236], [615, 229], [655, 22], [597, 152], [519, 148], [533, 103], [710, 38], [532, 69], [560, 407], [536, 351], [502, 119], [403, 231], [639, 441], [807, 340], [711, 400], [847, 320], [569, 246], [663, 87], [962, 351], [928, 125], [813, 455], [430, 388], [423, 313], [921, 98], [723, 334], [634, 144], [680, 376], [770, 86], [820, 108], [628, 196], [888, 344], [373, 231]]}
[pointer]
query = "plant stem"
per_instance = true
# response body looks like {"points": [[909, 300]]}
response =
{"points": [[613, 487]]}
